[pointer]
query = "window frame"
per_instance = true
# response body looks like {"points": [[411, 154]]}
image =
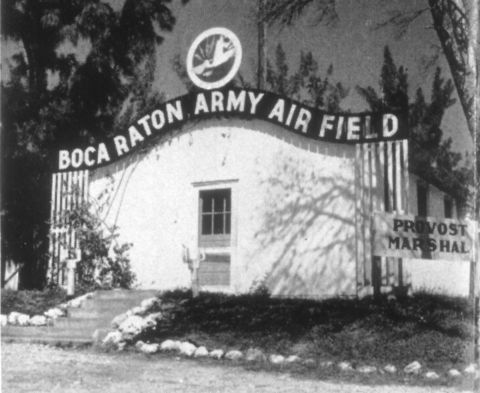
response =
{"points": [[214, 240]]}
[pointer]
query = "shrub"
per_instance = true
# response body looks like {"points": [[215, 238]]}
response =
{"points": [[428, 327], [32, 302], [104, 260]]}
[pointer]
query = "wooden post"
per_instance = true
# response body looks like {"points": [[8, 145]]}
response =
{"points": [[261, 68], [71, 265], [475, 289], [473, 279], [377, 277], [195, 286]]}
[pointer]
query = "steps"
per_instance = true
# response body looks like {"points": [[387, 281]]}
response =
{"points": [[78, 327]]}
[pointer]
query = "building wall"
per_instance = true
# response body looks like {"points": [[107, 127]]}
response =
{"points": [[293, 202], [447, 277]]}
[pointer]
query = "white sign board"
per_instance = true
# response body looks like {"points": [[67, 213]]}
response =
{"points": [[406, 236]]}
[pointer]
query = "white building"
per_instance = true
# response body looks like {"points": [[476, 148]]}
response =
{"points": [[265, 190], [267, 206]]}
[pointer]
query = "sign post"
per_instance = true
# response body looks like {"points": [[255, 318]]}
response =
{"points": [[71, 264], [475, 293]]}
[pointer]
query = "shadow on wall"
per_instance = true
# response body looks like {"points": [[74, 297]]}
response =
{"points": [[307, 232]]}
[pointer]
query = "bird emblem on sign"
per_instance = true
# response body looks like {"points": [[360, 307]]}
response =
{"points": [[214, 58]]}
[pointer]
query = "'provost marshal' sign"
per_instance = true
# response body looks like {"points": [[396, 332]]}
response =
{"points": [[243, 103], [421, 237]]}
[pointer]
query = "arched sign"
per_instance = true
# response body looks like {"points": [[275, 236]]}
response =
{"points": [[348, 128]]}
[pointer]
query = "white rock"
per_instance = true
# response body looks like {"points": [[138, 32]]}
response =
{"points": [[38, 320], [23, 320], [454, 373], [413, 368], [470, 369], [276, 359], [255, 355], [390, 368], [147, 304], [234, 355], [292, 359], [152, 319], [216, 353], [137, 310], [3, 319], [118, 320], [170, 345], [186, 348], [12, 318], [431, 375], [326, 363], [345, 366], [75, 303], [310, 362], [112, 339], [148, 348], [98, 335], [200, 352], [366, 369], [132, 327], [54, 313]]}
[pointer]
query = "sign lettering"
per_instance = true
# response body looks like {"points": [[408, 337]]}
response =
{"points": [[243, 103], [421, 237]]}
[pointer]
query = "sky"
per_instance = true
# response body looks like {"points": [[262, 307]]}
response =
{"points": [[352, 45]]}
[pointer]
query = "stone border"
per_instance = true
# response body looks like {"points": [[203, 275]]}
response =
{"points": [[20, 319], [129, 325], [189, 350]]}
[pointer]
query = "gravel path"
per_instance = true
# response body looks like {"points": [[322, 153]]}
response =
{"points": [[37, 368]]}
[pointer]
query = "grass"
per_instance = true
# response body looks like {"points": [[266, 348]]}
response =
{"points": [[435, 330], [32, 302]]}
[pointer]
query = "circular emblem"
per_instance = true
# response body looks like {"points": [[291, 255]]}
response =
{"points": [[214, 58]]}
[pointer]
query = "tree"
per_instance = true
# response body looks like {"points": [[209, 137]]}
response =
{"points": [[453, 21], [456, 25], [55, 97], [431, 156], [306, 84]]}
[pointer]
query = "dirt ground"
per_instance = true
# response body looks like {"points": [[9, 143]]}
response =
{"points": [[37, 368]]}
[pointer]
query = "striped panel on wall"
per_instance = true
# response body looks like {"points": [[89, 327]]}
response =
{"points": [[69, 190], [382, 185]]}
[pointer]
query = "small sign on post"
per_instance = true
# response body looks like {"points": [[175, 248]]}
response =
{"points": [[74, 256]]}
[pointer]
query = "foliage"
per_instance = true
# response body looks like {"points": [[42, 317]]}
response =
{"points": [[32, 302], [306, 84], [260, 288], [74, 64], [431, 156], [286, 11], [104, 262], [428, 327], [454, 23]]}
